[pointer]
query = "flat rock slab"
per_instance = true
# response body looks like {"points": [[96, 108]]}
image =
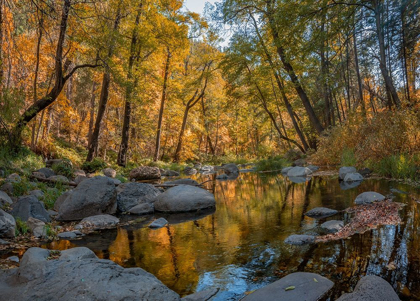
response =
{"points": [[307, 287], [371, 288], [202, 296], [368, 197], [299, 240], [159, 223], [321, 212], [332, 226]]}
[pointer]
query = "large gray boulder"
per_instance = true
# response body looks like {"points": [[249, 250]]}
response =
{"points": [[299, 286], [29, 206], [145, 173], [184, 198], [345, 170], [132, 194], [299, 172], [93, 196], [60, 200], [7, 225], [80, 276], [183, 182], [368, 197], [371, 288], [5, 199], [353, 177], [230, 168]]}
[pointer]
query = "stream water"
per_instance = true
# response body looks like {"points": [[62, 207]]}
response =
{"points": [[240, 247]]}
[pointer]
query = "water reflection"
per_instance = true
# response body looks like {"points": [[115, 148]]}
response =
{"points": [[239, 247]]}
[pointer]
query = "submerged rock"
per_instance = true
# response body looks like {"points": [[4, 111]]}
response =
{"points": [[132, 194], [296, 286], [184, 198], [298, 180], [299, 240], [158, 223], [371, 288], [79, 276], [368, 197], [332, 226], [345, 170], [321, 212]]}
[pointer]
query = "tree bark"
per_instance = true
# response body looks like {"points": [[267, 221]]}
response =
{"points": [[359, 78]]}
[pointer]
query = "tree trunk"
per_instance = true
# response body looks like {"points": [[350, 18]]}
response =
{"points": [[91, 113], [359, 78], [103, 99], [162, 105]]}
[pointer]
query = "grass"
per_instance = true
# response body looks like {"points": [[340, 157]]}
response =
{"points": [[348, 157], [23, 162], [21, 227], [273, 163], [399, 166]]}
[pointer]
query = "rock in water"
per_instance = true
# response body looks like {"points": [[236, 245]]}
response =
{"points": [[159, 223], [353, 177], [299, 240], [132, 194], [99, 221], [332, 226], [29, 206], [299, 172], [184, 198], [230, 168], [285, 170], [190, 171], [371, 288], [80, 276], [202, 295], [294, 287], [321, 212], [7, 225], [368, 197], [93, 196], [345, 170], [145, 173]]}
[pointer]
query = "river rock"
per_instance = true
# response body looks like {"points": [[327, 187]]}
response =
{"points": [[202, 296], [79, 278], [190, 171], [169, 173], [321, 212], [79, 172], [183, 182], [299, 162], [158, 223], [299, 172], [67, 235], [13, 178], [371, 288], [349, 185], [313, 167], [99, 221], [207, 168], [306, 288], [353, 177], [132, 194], [145, 173], [5, 199], [7, 225], [285, 170], [332, 226], [93, 196], [368, 197], [230, 168], [60, 200], [141, 209], [345, 170], [13, 259], [79, 253], [184, 198], [299, 240], [3, 242], [47, 172], [37, 227], [29, 206], [109, 172]]}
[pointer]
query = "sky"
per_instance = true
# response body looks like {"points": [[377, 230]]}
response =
{"points": [[197, 5]]}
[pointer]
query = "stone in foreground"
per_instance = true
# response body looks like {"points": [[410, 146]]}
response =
{"points": [[159, 223], [368, 197], [80, 276], [299, 240], [321, 212], [332, 226], [371, 288], [132, 194], [307, 287], [345, 170], [93, 196], [184, 198], [299, 172], [145, 173], [202, 296]]}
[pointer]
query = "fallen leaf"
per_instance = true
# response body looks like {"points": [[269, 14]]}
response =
{"points": [[289, 288]]}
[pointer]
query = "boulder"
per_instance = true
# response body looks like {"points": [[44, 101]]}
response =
{"points": [[7, 225], [299, 172], [300, 162], [299, 240], [141, 209], [158, 223], [222, 177], [307, 287], [93, 196], [79, 179], [190, 171], [39, 175], [183, 182], [79, 253], [332, 226], [349, 185], [299, 180], [353, 177], [345, 170], [47, 172], [313, 167], [230, 168], [202, 296], [37, 227], [285, 170], [321, 212], [60, 200], [79, 172], [37, 193], [132, 194], [7, 187], [13, 178], [34, 255], [110, 172], [81, 278], [169, 173], [59, 179], [207, 168], [67, 235], [184, 198], [5, 199], [145, 173], [99, 222], [29, 206], [368, 198], [371, 288]]}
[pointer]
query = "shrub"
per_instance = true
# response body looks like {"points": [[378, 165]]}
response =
{"points": [[63, 168], [401, 166], [274, 163], [21, 227], [97, 164], [348, 158]]}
